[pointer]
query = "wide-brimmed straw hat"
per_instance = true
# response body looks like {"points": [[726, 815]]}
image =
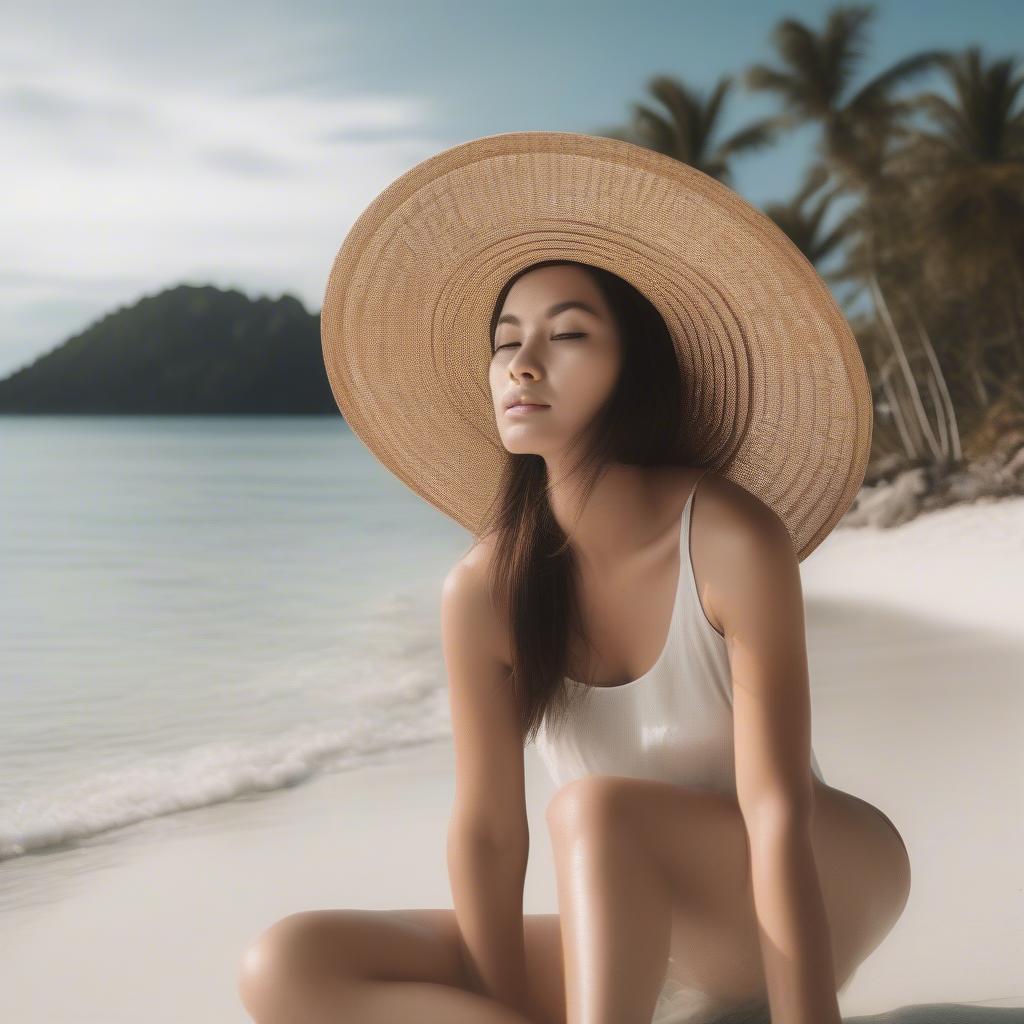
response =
{"points": [[776, 395]]}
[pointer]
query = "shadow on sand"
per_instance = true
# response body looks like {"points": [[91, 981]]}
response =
{"points": [[923, 1013]]}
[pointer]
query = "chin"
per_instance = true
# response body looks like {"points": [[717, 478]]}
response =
{"points": [[519, 449], [519, 446]]}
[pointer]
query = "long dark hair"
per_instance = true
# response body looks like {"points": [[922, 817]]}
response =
{"points": [[533, 573]]}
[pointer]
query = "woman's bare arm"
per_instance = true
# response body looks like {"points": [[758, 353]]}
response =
{"points": [[488, 835], [759, 601]]}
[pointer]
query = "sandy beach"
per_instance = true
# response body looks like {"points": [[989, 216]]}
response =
{"points": [[915, 643]]}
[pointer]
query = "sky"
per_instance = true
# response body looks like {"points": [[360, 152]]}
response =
{"points": [[234, 144]]}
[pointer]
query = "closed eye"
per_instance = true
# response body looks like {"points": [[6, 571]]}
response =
{"points": [[512, 344]]}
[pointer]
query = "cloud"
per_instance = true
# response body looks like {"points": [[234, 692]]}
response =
{"points": [[247, 163], [130, 175], [44, 108]]}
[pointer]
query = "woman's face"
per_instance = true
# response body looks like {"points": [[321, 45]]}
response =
{"points": [[555, 344]]}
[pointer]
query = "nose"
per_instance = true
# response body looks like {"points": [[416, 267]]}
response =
{"points": [[525, 362]]}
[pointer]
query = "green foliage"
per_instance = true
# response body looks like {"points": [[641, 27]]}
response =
{"points": [[932, 230], [931, 236], [189, 349]]}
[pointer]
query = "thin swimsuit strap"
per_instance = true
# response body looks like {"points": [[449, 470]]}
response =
{"points": [[682, 583]]}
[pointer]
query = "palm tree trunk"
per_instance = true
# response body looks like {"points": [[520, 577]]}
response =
{"points": [[976, 377], [938, 379], [940, 418], [921, 417], [910, 448]]}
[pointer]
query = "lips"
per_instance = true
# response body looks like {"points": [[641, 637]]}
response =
{"points": [[525, 410], [521, 399]]}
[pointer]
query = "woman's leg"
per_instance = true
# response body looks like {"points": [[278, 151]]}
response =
{"points": [[385, 966], [646, 869], [614, 904]]}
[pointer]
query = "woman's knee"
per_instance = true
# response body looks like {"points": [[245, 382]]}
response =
{"points": [[265, 957], [290, 953], [589, 802]]}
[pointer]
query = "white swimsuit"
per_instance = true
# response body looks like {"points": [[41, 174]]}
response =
{"points": [[674, 723]]}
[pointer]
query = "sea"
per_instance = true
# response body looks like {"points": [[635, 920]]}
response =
{"points": [[199, 610]]}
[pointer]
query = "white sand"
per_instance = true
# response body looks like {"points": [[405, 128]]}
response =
{"points": [[916, 645]]}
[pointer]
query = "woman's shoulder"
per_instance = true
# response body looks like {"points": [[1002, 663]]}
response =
{"points": [[473, 566], [467, 596], [731, 532], [467, 578], [723, 501]]}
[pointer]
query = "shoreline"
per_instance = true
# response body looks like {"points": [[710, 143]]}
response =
{"points": [[914, 646]]}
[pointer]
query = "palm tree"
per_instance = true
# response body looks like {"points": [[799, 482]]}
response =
{"points": [[803, 221], [946, 234], [686, 126], [972, 169], [816, 76], [859, 132]]}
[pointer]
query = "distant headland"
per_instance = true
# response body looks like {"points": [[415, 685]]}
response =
{"points": [[191, 349]]}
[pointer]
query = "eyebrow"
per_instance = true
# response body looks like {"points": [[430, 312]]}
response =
{"points": [[558, 307]]}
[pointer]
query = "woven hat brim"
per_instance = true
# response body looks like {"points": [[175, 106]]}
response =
{"points": [[775, 388]]}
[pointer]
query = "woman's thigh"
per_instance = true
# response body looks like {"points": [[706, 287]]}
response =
{"points": [[701, 846], [715, 944], [417, 945], [545, 977]]}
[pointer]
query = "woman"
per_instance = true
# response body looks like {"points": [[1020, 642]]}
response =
{"points": [[652, 644]]}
